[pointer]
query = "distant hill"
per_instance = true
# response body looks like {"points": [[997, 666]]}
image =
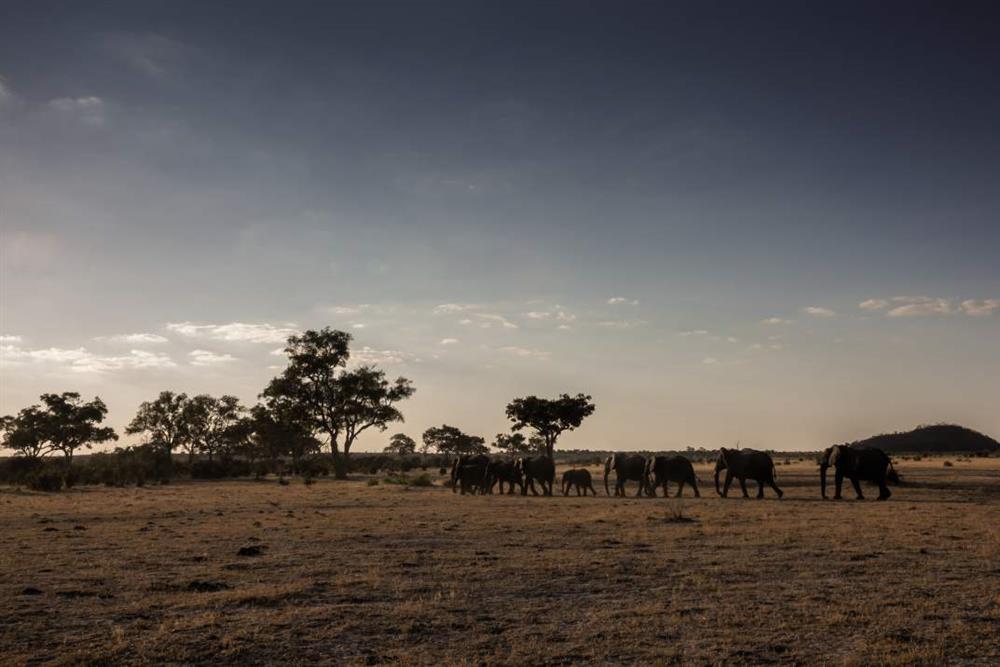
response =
{"points": [[934, 438]]}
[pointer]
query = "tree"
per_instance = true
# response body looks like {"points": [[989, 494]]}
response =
{"points": [[73, 423], [27, 433], [450, 440], [515, 444], [281, 429], [334, 401], [209, 421], [401, 444], [367, 400], [549, 417], [165, 423]]}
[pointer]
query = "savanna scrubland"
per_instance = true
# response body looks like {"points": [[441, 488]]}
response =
{"points": [[358, 572]]}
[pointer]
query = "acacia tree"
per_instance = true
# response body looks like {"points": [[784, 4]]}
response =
{"points": [[451, 440], [367, 400], [74, 424], [401, 444], [334, 401], [308, 386], [515, 444], [549, 417], [27, 433], [165, 422], [209, 422]]}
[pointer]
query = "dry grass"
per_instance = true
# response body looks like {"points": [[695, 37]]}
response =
{"points": [[356, 574]]}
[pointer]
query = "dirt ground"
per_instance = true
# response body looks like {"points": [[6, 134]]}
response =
{"points": [[345, 573]]}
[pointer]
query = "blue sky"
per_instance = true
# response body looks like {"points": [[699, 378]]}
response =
{"points": [[676, 207]]}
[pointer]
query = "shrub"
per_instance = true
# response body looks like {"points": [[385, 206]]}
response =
{"points": [[373, 482], [947, 464], [47, 479], [422, 480]]}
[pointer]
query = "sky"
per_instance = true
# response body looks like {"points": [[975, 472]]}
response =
{"points": [[776, 224]]}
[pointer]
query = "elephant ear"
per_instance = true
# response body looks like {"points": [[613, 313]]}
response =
{"points": [[835, 454]]}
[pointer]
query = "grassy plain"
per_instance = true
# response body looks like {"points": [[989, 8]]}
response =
{"points": [[349, 573]]}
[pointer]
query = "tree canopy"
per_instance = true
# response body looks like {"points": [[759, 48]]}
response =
{"points": [[447, 439], [164, 422], [515, 444], [332, 400], [67, 423], [401, 444], [549, 417]]}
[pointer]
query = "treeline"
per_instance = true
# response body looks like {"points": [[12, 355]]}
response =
{"points": [[305, 422]]}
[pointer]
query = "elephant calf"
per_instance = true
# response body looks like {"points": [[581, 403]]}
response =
{"points": [[663, 469], [578, 478], [500, 471]]}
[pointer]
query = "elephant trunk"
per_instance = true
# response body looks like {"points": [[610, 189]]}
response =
{"points": [[822, 479], [607, 471], [717, 489]]}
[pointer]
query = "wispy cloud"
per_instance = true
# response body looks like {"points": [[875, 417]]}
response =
{"points": [[775, 321], [81, 360], [369, 355], [487, 320], [818, 311], [448, 341], [346, 310], [134, 339], [208, 358], [622, 324], [925, 306], [622, 301], [11, 339], [446, 308], [873, 304], [710, 361], [234, 332], [693, 332], [88, 109]]}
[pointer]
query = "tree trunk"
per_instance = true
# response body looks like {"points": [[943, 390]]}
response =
{"points": [[339, 465], [550, 444]]}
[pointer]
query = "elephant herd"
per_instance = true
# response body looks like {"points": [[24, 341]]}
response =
{"points": [[481, 474]]}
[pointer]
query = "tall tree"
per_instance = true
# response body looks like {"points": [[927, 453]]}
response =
{"points": [[401, 444], [549, 417], [209, 421], [309, 383], [164, 422], [367, 400], [74, 423], [451, 440], [336, 402], [26, 433]]}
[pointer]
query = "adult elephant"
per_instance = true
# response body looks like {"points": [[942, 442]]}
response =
{"points": [[628, 468], [744, 464], [466, 467], [857, 464], [663, 469], [502, 472], [536, 468]]}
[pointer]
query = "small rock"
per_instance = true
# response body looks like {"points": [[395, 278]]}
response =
{"points": [[31, 590]]}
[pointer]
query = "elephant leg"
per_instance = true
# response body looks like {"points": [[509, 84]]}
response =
{"points": [[694, 485], [776, 489], [760, 489], [725, 487], [857, 488], [638, 492], [531, 484], [838, 480], [680, 489], [743, 485], [883, 490]]}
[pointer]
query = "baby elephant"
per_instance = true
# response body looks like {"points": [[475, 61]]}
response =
{"points": [[579, 478]]}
